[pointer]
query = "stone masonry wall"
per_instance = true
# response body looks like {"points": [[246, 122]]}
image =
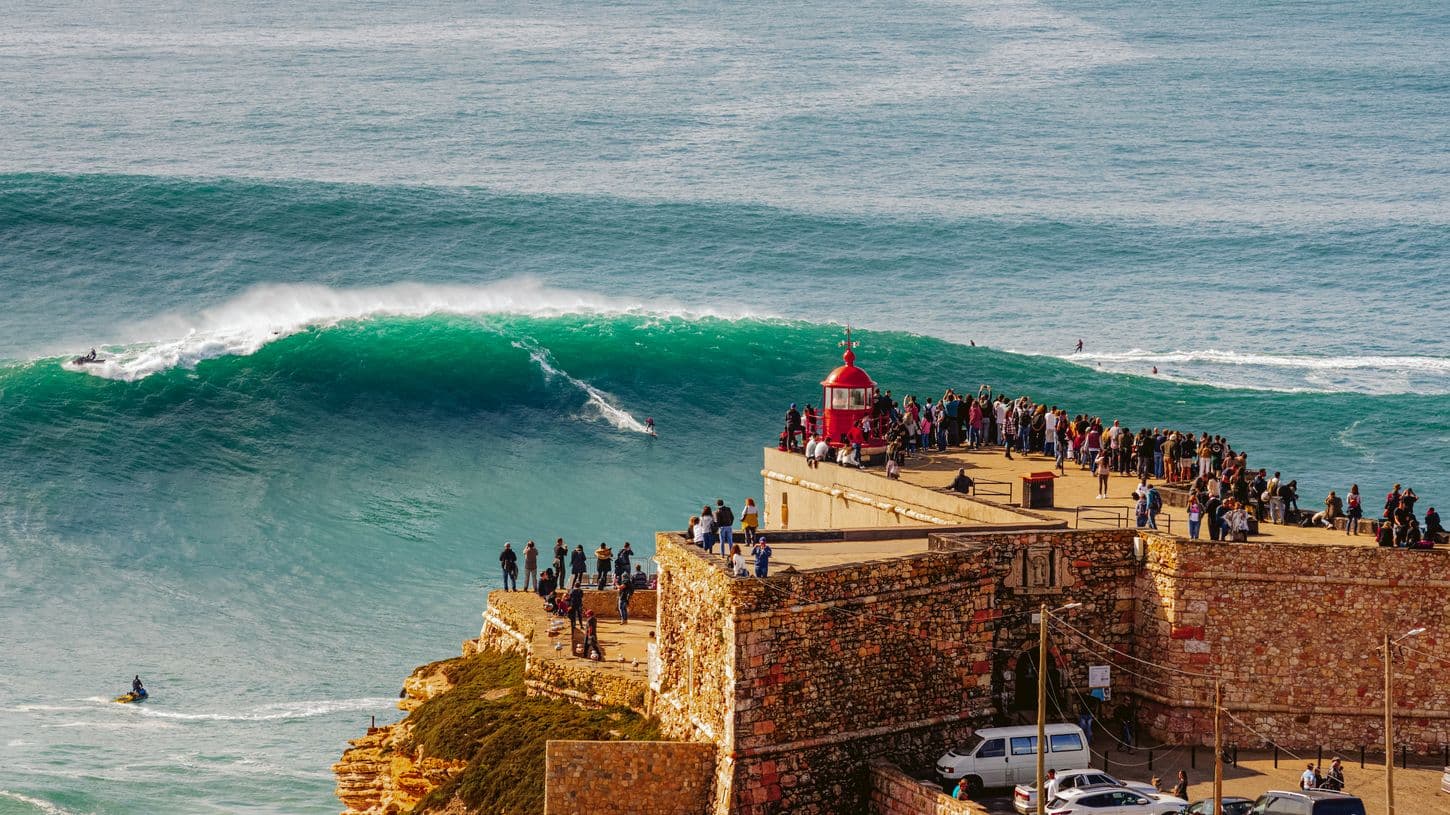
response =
{"points": [[625, 778], [695, 631], [893, 792], [805, 676], [835, 667], [1093, 567], [1294, 632]]}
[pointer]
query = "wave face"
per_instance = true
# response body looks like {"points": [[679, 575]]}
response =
{"points": [[179, 270]]}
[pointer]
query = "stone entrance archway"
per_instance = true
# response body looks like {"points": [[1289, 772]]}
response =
{"points": [[1024, 696]]}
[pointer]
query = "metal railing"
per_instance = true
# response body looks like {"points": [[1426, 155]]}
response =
{"points": [[1115, 517], [994, 489]]}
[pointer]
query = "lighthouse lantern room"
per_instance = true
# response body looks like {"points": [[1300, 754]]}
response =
{"points": [[848, 397]]}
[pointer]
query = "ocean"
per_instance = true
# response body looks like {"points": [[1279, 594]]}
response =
{"points": [[382, 286]]}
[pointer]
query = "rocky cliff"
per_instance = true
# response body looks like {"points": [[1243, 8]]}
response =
{"points": [[386, 772], [476, 734]]}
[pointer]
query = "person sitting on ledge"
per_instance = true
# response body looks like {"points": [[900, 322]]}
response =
{"points": [[1412, 537], [963, 482], [812, 451], [1333, 508], [737, 562], [1433, 529], [1385, 536]]}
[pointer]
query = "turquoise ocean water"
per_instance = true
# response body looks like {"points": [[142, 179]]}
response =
{"points": [[385, 285]]}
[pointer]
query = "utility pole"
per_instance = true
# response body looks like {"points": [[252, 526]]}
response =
{"points": [[1390, 717], [1389, 731], [1217, 749], [1042, 704], [1042, 712]]}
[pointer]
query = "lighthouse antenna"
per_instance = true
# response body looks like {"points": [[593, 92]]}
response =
{"points": [[850, 346]]}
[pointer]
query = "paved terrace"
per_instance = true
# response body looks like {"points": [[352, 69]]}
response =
{"points": [[1079, 488], [801, 550], [616, 639]]}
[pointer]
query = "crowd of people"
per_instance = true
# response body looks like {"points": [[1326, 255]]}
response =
{"points": [[562, 583], [715, 526], [1223, 493]]}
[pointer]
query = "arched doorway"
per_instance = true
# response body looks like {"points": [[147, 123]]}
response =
{"points": [[1025, 682]]}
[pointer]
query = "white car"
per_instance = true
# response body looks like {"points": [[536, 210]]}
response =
{"points": [[1109, 801], [1024, 796]]}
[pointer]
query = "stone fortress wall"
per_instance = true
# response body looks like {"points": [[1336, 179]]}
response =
{"points": [[802, 679], [1294, 631]]}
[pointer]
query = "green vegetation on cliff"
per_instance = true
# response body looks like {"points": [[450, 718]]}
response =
{"points": [[488, 721]]}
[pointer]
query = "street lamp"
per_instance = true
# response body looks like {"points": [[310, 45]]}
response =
{"points": [[1042, 702], [1389, 717]]}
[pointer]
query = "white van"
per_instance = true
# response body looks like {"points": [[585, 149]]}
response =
{"points": [[1004, 756]]}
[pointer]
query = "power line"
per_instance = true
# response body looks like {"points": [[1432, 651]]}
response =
{"points": [[1127, 655]]}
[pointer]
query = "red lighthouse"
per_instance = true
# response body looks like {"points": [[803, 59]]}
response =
{"points": [[849, 395]]}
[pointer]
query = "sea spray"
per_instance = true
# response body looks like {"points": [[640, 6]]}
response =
{"points": [[599, 401]]}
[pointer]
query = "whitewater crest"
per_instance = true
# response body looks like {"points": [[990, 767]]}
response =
{"points": [[1379, 375], [263, 314]]}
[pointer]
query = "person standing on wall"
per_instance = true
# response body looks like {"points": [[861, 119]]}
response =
{"points": [[621, 563], [724, 523], [508, 560], [561, 557], [603, 562], [762, 552], [531, 567], [578, 566], [750, 518], [705, 528]]}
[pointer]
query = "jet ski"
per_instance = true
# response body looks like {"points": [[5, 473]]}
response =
{"points": [[134, 696], [88, 360]]}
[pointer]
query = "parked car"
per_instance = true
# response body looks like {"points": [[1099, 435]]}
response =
{"points": [[1024, 797], [1110, 801], [1231, 806], [1003, 756], [1307, 802]]}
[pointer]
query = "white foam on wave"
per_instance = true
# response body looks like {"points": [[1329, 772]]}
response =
{"points": [[39, 804], [603, 404], [1433, 365], [1379, 375], [271, 712], [263, 314]]}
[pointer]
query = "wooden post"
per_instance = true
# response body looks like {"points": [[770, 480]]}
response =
{"points": [[1042, 712], [1217, 750]]}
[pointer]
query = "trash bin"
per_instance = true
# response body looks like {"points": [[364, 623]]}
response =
{"points": [[1037, 490]]}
